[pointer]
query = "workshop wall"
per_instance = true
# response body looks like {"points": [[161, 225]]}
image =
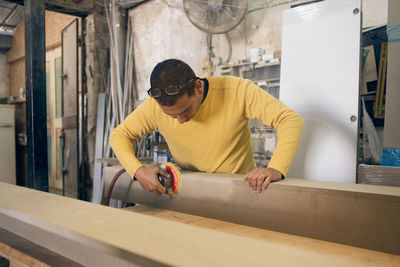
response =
{"points": [[97, 42], [169, 34]]}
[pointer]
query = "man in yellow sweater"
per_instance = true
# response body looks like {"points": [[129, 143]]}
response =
{"points": [[205, 123]]}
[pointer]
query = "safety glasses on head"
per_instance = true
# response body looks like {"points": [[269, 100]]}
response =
{"points": [[169, 90]]}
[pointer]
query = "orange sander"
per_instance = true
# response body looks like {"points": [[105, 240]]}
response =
{"points": [[173, 183]]}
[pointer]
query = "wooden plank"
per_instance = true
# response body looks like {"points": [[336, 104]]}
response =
{"points": [[351, 214], [98, 179], [95, 235], [79, 8], [308, 244], [109, 161], [379, 175], [21, 252]]}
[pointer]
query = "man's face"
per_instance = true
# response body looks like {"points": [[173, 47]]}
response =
{"points": [[184, 108]]}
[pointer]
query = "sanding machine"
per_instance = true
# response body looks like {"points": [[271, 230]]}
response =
{"points": [[173, 183]]}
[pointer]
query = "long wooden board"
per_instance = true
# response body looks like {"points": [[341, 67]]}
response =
{"points": [[365, 216], [95, 235]]}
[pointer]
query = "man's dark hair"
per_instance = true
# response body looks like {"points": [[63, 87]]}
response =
{"points": [[172, 72]]}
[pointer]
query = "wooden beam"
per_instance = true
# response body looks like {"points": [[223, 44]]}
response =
{"points": [[98, 177], [365, 216], [75, 8]]}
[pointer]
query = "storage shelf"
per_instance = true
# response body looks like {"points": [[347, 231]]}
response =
{"points": [[12, 102], [370, 97]]}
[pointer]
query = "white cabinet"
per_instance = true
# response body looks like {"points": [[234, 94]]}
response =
{"points": [[7, 144]]}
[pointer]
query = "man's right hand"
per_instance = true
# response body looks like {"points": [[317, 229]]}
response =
{"points": [[148, 179]]}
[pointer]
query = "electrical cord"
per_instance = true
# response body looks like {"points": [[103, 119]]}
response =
{"points": [[110, 189], [230, 48], [257, 8], [125, 202], [211, 52]]}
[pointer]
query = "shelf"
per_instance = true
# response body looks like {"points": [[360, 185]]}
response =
{"points": [[19, 101], [371, 97], [266, 81], [369, 93], [259, 64], [267, 64]]}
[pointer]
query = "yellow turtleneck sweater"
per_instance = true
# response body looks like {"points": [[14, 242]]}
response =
{"points": [[217, 138]]}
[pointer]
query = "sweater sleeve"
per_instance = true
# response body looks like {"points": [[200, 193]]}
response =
{"points": [[140, 122], [288, 124]]}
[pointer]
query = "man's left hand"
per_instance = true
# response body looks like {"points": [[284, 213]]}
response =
{"points": [[259, 178]]}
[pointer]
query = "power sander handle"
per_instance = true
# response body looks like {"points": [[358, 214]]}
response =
{"points": [[164, 181], [161, 179]]}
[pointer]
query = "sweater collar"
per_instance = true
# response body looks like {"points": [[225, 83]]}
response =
{"points": [[205, 89]]}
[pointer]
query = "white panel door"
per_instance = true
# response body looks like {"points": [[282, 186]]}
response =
{"points": [[320, 80]]}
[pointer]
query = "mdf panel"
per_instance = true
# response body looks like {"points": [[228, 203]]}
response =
{"points": [[320, 81], [359, 215]]}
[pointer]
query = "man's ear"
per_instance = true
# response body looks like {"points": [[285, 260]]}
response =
{"points": [[199, 86]]}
